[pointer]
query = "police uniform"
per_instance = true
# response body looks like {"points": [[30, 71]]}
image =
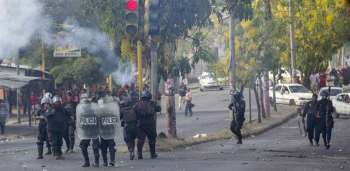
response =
{"points": [[107, 144], [312, 122], [55, 122], [239, 109], [42, 134], [129, 122], [69, 135], [85, 143], [326, 119], [145, 110]]}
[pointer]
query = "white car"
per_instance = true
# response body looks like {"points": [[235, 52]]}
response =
{"points": [[291, 94], [341, 104], [334, 91], [206, 82]]}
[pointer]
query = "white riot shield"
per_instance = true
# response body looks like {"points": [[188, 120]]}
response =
{"points": [[110, 125], [4, 112], [87, 121]]}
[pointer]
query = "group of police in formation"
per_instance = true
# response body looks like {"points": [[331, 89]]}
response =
{"points": [[318, 113], [97, 122]]}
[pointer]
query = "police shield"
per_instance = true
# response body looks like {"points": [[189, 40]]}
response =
{"points": [[110, 125], [87, 121], [4, 112]]}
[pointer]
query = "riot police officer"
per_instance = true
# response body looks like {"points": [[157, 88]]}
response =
{"points": [[312, 121], [237, 106], [40, 115], [56, 117], [145, 110], [129, 122], [325, 118], [91, 131], [106, 143], [68, 134]]}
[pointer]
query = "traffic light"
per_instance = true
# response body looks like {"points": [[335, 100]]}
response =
{"points": [[151, 17], [132, 17]]}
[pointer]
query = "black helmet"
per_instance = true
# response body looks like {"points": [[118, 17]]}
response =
{"points": [[102, 100], [324, 94], [124, 103], [85, 101], [237, 95], [69, 92], [146, 95]]}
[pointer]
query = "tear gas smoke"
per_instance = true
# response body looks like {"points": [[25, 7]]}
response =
{"points": [[21, 21]]}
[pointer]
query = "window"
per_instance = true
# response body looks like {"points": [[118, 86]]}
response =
{"points": [[298, 89], [278, 88]]}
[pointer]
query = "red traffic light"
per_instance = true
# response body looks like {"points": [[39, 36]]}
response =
{"points": [[131, 5]]}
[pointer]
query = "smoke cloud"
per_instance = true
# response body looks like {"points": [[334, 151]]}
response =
{"points": [[22, 20]]}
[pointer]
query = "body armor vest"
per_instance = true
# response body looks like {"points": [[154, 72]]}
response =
{"points": [[129, 115], [146, 108]]}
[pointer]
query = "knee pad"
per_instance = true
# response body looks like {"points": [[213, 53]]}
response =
{"points": [[40, 143], [72, 138]]}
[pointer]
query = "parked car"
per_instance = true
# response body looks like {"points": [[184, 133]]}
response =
{"points": [[291, 94], [334, 91], [341, 103], [206, 82]]}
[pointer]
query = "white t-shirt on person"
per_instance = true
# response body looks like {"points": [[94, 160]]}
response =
{"points": [[330, 80], [347, 61], [313, 79]]}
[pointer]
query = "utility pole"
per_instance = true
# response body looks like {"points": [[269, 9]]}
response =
{"points": [[154, 78], [266, 72], [18, 89], [43, 61], [292, 43], [233, 62]]}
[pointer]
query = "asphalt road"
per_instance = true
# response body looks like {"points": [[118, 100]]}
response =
{"points": [[279, 149], [210, 115]]}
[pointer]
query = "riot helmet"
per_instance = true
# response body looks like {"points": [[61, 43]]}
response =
{"points": [[45, 100], [49, 95], [237, 95], [324, 95], [56, 99], [146, 95], [102, 101], [124, 103], [85, 101], [69, 92], [314, 97]]}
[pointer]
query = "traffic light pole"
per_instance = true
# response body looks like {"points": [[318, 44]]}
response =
{"points": [[139, 66], [154, 78]]}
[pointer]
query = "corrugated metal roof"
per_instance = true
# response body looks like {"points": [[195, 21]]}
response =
{"points": [[15, 81]]}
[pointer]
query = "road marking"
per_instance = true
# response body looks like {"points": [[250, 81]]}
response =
{"points": [[292, 127]]}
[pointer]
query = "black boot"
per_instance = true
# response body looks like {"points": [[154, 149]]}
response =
{"points": [[86, 157], [97, 157], [325, 143], [152, 149], [55, 153], [48, 151], [104, 158], [239, 141], [59, 151], [328, 144], [311, 142], [132, 154], [71, 145], [139, 154], [112, 155], [40, 151]]}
